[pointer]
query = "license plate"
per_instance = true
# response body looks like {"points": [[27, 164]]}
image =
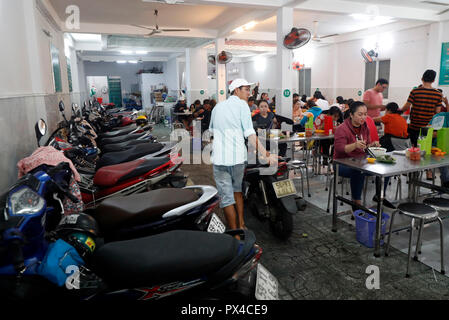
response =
{"points": [[284, 188], [266, 284], [215, 225]]}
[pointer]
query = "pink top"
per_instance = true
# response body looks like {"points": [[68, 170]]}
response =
{"points": [[375, 98], [344, 135]]}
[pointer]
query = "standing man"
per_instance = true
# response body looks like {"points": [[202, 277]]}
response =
{"points": [[373, 98], [426, 101], [230, 124]]}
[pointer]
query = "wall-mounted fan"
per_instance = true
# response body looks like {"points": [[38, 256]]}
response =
{"points": [[296, 38], [211, 59], [316, 37], [369, 56], [156, 28], [224, 57]]}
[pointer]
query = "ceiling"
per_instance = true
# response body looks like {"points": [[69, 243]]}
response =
{"points": [[209, 19], [141, 13]]}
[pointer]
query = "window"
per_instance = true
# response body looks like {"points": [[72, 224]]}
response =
{"points": [[305, 82], [69, 75], [375, 71], [56, 68]]}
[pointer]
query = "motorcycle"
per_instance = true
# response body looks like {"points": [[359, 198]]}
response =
{"points": [[148, 172], [272, 196], [145, 268]]}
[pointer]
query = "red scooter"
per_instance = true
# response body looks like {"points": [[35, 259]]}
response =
{"points": [[132, 177]]}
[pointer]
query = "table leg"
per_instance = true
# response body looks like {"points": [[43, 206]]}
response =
{"points": [[380, 195], [334, 206]]}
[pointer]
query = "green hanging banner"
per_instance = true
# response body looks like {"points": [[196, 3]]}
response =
{"points": [[444, 65]]}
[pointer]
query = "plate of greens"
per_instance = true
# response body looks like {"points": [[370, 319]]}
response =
{"points": [[386, 159]]}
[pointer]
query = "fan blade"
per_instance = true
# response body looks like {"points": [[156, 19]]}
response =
{"points": [[168, 30], [444, 11], [136, 25], [330, 35]]}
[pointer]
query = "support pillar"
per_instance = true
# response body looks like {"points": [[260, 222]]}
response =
{"points": [[284, 59], [220, 70]]}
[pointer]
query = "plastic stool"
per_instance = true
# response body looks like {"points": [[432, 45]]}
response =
{"points": [[422, 212]]}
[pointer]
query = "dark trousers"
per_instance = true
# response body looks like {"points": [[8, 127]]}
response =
{"points": [[413, 135]]}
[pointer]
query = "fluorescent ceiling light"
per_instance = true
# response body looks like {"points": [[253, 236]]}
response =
{"points": [[250, 25], [132, 61], [86, 37], [371, 20], [126, 51], [141, 52], [121, 61], [247, 26]]}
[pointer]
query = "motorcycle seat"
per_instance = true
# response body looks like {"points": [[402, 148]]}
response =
{"points": [[122, 146], [117, 133], [162, 258], [111, 175], [133, 153], [142, 208], [126, 137]]}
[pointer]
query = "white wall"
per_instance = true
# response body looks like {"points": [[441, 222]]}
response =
{"points": [[196, 74], [172, 75], [99, 83], [15, 76], [126, 71], [149, 82]]}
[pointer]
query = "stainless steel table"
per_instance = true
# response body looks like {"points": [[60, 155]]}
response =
{"points": [[382, 170]]}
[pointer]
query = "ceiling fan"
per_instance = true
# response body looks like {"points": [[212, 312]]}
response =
{"points": [[316, 37], [156, 28]]}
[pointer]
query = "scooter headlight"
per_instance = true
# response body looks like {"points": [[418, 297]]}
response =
{"points": [[24, 201]]}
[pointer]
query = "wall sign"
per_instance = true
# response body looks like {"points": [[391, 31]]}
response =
{"points": [[202, 92], [287, 93], [222, 92], [360, 93], [444, 65]]}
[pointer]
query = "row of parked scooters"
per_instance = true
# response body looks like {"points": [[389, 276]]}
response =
{"points": [[128, 243]]}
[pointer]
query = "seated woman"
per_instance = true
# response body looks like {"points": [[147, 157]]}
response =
{"points": [[352, 138], [395, 126], [267, 120], [264, 118], [297, 117]]}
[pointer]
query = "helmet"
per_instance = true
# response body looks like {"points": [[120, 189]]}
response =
{"points": [[141, 120], [82, 242], [79, 230], [79, 222]]}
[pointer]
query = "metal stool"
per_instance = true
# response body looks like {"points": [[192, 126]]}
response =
{"points": [[439, 204], [298, 165], [343, 181], [423, 212]]}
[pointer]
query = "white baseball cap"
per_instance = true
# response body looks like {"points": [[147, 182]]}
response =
{"points": [[237, 83]]}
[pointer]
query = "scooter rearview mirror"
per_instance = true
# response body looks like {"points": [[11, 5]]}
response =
{"points": [[40, 129], [61, 106]]}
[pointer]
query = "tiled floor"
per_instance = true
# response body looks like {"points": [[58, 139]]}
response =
{"points": [[316, 263]]}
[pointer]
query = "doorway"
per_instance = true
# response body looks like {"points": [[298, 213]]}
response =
{"points": [[305, 82]]}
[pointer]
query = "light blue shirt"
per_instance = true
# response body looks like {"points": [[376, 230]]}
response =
{"points": [[230, 124]]}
